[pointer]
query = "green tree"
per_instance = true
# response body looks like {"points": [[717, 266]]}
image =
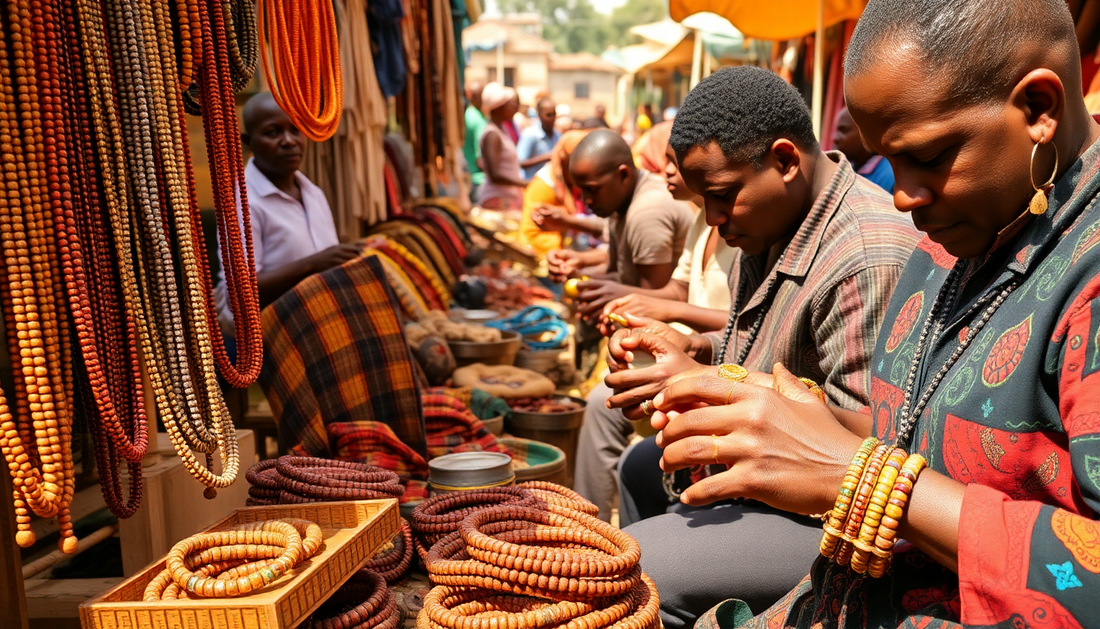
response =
{"points": [[633, 13], [571, 25]]}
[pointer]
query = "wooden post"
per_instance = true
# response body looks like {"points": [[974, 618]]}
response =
{"points": [[819, 69], [12, 598]]}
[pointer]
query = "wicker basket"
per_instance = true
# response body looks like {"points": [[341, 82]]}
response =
{"points": [[353, 532]]}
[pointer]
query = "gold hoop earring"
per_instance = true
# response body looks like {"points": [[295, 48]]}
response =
{"points": [[1038, 205]]}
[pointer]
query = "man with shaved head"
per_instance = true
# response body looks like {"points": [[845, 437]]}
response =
{"points": [[293, 233], [647, 229]]}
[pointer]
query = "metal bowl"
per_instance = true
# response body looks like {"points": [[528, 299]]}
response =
{"points": [[502, 352], [470, 470]]}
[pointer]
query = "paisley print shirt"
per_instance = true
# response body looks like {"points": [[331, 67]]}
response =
{"points": [[1017, 419]]}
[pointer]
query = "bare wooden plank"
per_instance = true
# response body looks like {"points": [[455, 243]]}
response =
{"points": [[61, 598], [12, 600]]}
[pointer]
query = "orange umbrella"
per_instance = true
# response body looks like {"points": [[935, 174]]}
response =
{"points": [[772, 19]]}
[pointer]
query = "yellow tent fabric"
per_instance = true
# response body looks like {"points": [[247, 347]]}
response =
{"points": [[771, 19]]}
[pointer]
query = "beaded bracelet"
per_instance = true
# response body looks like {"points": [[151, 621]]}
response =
{"points": [[859, 503], [863, 544], [839, 513], [886, 534]]}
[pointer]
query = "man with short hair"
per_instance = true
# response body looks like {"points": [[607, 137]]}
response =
{"points": [[874, 167], [471, 144], [293, 233], [647, 229], [646, 226], [537, 142], [820, 250]]}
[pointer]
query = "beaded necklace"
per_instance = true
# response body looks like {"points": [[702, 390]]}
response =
{"points": [[300, 53], [758, 322], [38, 451], [933, 327], [115, 435]]}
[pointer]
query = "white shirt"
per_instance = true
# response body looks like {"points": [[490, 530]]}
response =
{"points": [[283, 230], [707, 287]]}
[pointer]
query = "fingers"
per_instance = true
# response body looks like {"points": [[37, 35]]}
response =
{"points": [[627, 396], [710, 390], [723, 486], [713, 420], [791, 387]]}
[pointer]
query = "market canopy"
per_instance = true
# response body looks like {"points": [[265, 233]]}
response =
{"points": [[771, 19]]}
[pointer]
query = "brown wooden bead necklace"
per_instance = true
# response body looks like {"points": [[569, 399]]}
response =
{"points": [[38, 451], [362, 603]]}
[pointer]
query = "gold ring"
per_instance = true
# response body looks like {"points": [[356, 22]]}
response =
{"points": [[714, 442], [729, 398], [734, 373], [814, 388], [647, 408]]}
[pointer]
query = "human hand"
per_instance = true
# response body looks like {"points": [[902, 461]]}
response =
{"points": [[562, 263], [639, 306], [593, 295], [335, 256], [633, 386], [551, 218], [783, 445]]}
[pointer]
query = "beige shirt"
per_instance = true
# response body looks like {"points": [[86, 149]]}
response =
{"points": [[652, 231], [708, 287]]}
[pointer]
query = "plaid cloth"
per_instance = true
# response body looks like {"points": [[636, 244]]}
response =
{"points": [[335, 351], [453, 427]]}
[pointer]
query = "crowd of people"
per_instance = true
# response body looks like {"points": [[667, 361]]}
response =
{"points": [[793, 314]]}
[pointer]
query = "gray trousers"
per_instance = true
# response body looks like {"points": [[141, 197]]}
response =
{"points": [[604, 435], [699, 557]]}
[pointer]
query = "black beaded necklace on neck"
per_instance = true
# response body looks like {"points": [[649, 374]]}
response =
{"points": [[754, 331], [934, 324]]}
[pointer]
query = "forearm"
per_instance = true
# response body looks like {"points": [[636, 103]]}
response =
{"points": [[273, 284], [535, 161], [700, 349], [591, 225], [856, 422], [697, 317], [931, 521]]}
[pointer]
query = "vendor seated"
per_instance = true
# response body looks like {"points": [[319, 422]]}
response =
{"points": [[646, 226], [552, 205], [293, 233]]}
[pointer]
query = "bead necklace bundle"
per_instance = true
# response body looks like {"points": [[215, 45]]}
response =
{"points": [[300, 53], [301, 479], [99, 226], [514, 565], [362, 603], [234, 562], [439, 516], [36, 440], [392, 564]]}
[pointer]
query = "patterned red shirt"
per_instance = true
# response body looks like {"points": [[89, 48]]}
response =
{"points": [[1017, 418]]}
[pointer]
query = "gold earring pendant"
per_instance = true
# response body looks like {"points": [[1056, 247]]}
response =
{"points": [[1038, 205]]}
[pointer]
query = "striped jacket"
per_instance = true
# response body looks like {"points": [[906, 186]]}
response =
{"points": [[829, 289]]}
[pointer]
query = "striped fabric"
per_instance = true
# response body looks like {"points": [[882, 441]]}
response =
{"points": [[833, 283], [334, 351]]}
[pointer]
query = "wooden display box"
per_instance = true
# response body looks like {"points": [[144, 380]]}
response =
{"points": [[172, 504], [353, 532]]}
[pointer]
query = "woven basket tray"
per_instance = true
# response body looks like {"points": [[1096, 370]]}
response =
{"points": [[353, 532]]}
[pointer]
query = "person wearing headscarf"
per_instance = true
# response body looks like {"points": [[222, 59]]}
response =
{"points": [[504, 184], [649, 150], [551, 206]]}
